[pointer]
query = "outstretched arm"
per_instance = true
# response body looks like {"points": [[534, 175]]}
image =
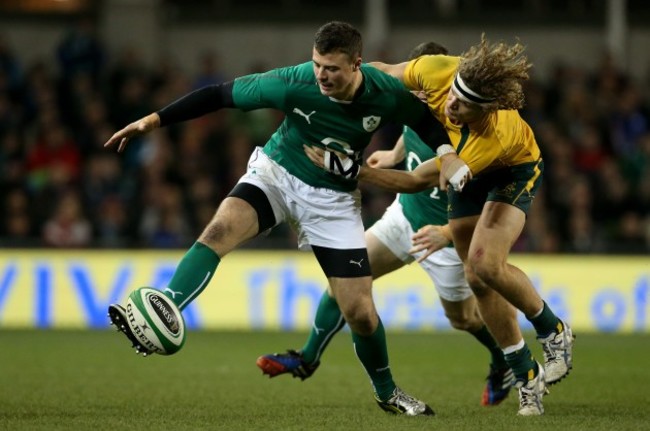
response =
{"points": [[193, 105]]}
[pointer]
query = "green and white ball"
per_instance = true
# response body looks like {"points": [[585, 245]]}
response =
{"points": [[155, 321]]}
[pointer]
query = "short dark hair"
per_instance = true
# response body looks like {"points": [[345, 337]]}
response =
{"points": [[338, 36], [427, 48]]}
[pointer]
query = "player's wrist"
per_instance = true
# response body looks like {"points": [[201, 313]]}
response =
{"points": [[445, 149], [446, 232]]}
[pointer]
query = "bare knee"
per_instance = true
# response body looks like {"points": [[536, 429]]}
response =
{"points": [[485, 269], [234, 223], [477, 285], [462, 322], [360, 316], [214, 233], [464, 318]]}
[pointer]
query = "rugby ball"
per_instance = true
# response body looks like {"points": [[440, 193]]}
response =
{"points": [[155, 320]]}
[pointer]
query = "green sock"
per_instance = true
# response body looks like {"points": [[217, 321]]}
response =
{"points": [[546, 322], [373, 354], [522, 363], [484, 337], [192, 274], [327, 322]]}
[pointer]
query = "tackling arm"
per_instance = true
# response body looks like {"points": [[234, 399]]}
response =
{"points": [[425, 176]]}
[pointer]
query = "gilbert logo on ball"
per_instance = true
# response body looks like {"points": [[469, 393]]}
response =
{"points": [[155, 320]]}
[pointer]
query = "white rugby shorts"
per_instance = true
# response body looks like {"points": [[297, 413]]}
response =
{"points": [[319, 216], [444, 267]]}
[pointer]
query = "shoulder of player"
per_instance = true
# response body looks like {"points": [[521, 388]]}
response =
{"points": [[299, 75], [392, 93], [375, 79], [431, 72], [509, 124]]}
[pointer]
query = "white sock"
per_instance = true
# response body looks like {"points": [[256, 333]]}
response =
{"points": [[511, 349]]}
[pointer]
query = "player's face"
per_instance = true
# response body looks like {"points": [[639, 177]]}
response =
{"points": [[335, 74], [459, 111]]}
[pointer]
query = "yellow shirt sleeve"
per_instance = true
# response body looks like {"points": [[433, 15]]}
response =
{"points": [[434, 75]]}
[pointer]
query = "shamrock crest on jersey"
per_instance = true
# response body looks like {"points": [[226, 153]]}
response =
{"points": [[370, 123]]}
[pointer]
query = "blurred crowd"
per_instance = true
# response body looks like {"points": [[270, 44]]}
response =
{"points": [[61, 188]]}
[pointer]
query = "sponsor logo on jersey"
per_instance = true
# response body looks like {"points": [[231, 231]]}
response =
{"points": [[371, 123], [302, 114]]}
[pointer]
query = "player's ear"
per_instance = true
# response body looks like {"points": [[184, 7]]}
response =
{"points": [[356, 65]]}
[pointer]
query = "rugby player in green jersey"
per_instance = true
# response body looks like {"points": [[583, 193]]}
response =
{"points": [[414, 227], [336, 102]]}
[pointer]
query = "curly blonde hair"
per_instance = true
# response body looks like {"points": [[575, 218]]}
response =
{"points": [[496, 71]]}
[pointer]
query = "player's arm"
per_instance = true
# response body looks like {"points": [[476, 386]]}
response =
{"points": [[383, 159], [425, 176], [394, 70], [193, 105]]}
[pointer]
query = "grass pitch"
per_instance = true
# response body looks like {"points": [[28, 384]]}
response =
{"points": [[90, 380]]}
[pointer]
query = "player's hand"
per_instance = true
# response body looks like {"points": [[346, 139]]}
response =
{"points": [[137, 128], [316, 155], [332, 161], [430, 238], [454, 171], [382, 159]]}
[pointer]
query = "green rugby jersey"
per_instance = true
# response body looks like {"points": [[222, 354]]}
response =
{"points": [[314, 119], [428, 206]]}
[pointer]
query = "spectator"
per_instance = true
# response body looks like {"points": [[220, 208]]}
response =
{"points": [[68, 226], [592, 125]]}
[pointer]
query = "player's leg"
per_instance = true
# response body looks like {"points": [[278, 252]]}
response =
{"points": [[241, 216], [338, 242], [345, 261], [234, 222], [463, 315], [497, 290], [509, 201], [328, 320], [355, 300], [499, 228], [501, 319], [445, 269]]}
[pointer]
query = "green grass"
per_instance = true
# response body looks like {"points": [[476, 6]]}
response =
{"points": [[69, 380]]}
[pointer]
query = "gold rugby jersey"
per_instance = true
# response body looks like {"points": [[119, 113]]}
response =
{"points": [[502, 139]]}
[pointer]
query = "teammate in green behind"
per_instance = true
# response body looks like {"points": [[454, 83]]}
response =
{"points": [[334, 101]]}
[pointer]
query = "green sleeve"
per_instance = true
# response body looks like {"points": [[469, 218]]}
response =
{"points": [[261, 90]]}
